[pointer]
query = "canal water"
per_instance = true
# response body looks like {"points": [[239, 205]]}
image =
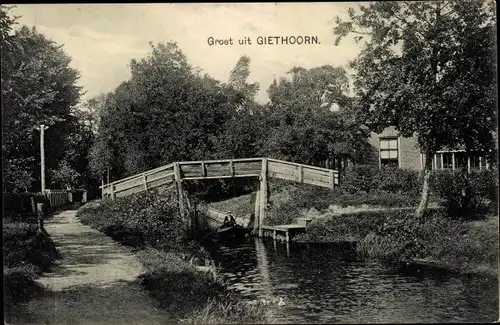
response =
{"points": [[327, 283]]}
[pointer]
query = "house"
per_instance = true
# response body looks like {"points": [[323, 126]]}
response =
{"points": [[389, 148]]}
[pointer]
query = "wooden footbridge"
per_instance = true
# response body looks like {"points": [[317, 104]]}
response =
{"points": [[175, 174]]}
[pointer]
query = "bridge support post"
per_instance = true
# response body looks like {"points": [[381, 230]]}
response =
{"points": [[263, 195], [256, 219], [180, 193]]}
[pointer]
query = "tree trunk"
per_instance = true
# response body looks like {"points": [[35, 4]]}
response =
{"points": [[419, 213]]}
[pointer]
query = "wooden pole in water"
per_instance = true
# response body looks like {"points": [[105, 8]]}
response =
{"points": [[263, 195], [256, 213], [180, 192]]}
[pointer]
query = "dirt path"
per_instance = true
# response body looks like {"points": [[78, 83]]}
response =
{"points": [[95, 282]]}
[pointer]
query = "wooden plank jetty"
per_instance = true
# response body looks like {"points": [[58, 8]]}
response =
{"points": [[288, 231]]}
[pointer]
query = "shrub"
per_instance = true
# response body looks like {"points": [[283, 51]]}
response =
{"points": [[401, 236], [359, 178], [17, 206], [459, 245], [19, 284], [484, 186], [147, 218], [464, 195], [367, 178], [196, 296], [397, 180], [26, 254]]}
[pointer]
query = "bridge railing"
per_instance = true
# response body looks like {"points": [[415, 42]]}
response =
{"points": [[220, 169]]}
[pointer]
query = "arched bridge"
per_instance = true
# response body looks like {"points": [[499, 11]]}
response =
{"points": [[262, 168]]}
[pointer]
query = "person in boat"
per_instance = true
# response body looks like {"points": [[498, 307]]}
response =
{"points": [[229, 221]]}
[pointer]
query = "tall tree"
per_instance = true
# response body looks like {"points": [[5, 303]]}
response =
{"points": [[305, 121], [38, 87], [429, 69], [241, 130], [168, 111]]}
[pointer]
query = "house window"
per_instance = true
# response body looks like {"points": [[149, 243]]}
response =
{"points": [[389, 152]]}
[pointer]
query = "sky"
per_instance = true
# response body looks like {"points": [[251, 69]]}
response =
{"points": [[103, 38]]}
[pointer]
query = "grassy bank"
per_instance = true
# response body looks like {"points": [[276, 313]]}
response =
{"points": [[455, 244], [288, 201], [151, 223], [27, 254], [459, 245]]}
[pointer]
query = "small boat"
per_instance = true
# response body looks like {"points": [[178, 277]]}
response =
{"points": [[232, 232]]}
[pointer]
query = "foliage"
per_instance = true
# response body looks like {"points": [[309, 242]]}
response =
{"points": [[429, 69], [359, 178], [290, 201], [38, 87], [17, 206], [195, 297], [27, 254], [150, 218], [464, 195], [453, 244], [366, 178], [306, 121], [65, 175], [411, 71], [353, 227]]}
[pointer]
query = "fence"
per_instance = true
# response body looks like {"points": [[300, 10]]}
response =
{"points": [[57, 198]]}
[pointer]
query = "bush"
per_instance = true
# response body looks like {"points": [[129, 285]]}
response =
{"points": [[397, 180], [197, 297], [19, 284], [26, 255], [467, 246], [464, 195], [148, 218], [367, 178], [17, 206], [360, 178], [484, 185]]}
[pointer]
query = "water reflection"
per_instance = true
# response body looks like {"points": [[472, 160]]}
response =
{"points": [[329, 284]]}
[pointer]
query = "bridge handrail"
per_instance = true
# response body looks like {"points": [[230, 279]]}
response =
{"points": [[105, 188], [303, 165]]}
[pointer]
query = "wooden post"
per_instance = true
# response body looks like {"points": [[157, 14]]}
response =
{"points": [[263, 195], [468, 164], [40, 216], [332, 179], [84, 197], [203, 170], [301, 174], [231, 168], [442, 161], [33, 205], [112, 191], [453, 161], [144, 181], [178, 182], [480, 163], [42, 156], [256, 219]]}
